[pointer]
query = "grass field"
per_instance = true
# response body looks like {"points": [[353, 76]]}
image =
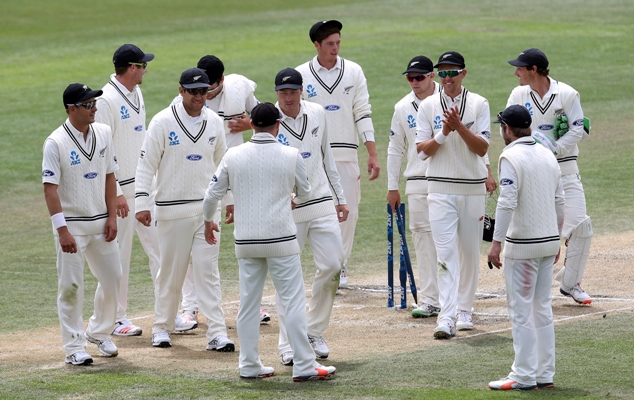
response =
{"points": [[46, 45]]}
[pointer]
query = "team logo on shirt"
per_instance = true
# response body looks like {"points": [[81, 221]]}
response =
{"points": [[545, 127], [332, 107], [437, 123], [102, 153], [314, 132], [529, 107], [305, 154], [392, 133], [214, 178], [142, 154], [48, 172], [194, 157], [90, 175], [174, 139], [282, 139], [212, 140], [411, 121], [578, 122], [506, 182], [468, 125], [124, 113], [486, 134], [74, 158], [347, 89], [138, 128], [310, 89]]}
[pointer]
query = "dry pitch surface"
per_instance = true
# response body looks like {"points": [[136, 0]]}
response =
{"points": [[361, 325]]}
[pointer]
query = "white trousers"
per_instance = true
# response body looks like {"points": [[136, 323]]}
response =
{"points": [[190, 300], [574, 205], [324, 238], [103, 261], [350, 181], [286, 274], [149, 240], [179, 240], [528, 293], [456, 225], [424, 247]]}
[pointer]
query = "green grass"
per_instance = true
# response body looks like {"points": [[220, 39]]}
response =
{"points": [[46, 45]]}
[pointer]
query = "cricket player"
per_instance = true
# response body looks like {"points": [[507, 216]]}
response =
{"points": [[122, 108], [183, 146], [303, 126], [262, 174], [232, 98], [453, 131], [529, 218], [340, 87], [80, 190], [420, 75], [558, 123]]}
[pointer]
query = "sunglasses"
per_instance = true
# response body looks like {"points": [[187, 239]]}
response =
{"points": [[452, 73], [87, 106], [417, 78], [500, 118], [200, 91], [142, 65]]}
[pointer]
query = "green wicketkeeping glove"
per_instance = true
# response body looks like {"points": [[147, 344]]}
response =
{"points": [[561, 126]]}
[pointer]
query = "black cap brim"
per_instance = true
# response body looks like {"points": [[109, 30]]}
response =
{"points": [[196, 85], [517, 63], [90, 95], [148, 57], [422, 71], [457, 64], [288, 86]]}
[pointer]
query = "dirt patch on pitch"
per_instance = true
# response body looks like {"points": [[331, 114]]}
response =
{"points": [[361, 324]]}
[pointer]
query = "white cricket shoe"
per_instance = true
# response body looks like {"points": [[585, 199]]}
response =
{"points": [[193, 314], [287, 358], [509, 384], [161, 339], [264, 316], [464, 321], [445, 329], [79, 358], [221, 343], [184, 323], [126, 328], [321, 372], [265, 372], [319, 346], [577, 294], [106, 347], [343, 277]]}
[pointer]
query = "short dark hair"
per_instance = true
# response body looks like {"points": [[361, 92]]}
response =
{"points": [[540, 71], [326, 31], [520, 132], [121, 70]]}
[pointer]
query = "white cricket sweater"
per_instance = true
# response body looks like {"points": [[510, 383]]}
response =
{"points": [[454, 169], [309, 135], [82, 176], [403, 143], [533, 231], [183, 154], [236, 98], [560, 99], [262, 174], [346, 101], [124, 112]]}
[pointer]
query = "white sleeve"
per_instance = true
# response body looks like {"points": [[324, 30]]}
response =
{"points": [[559, 204], [302, 187], [251, 100], [483, 123], [575, 126], [424, 129], [507, 201], [105, 116], [330, 167], [361, 108], [51, 171], [217, 188], [150, 158], [395, 152]]}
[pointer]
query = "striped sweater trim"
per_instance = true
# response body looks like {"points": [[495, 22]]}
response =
{"points": [[88, 155], [126, 182], [344, 146], [332, 88], [546, 239], [87, 219], [538, 104], [456, 180], [175, 202], [313, 202], [182, 126], [136, 109], [265, 241], [417, 178], [566, 159]]}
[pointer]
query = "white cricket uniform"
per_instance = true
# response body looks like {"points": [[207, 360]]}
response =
{"points": [[182, 152], [455, 182], [124, 112], [79, 170], [562, 99], [316, 217], [343, 92], [529, 216], [403, 144], [236, 98], [262, 174]]}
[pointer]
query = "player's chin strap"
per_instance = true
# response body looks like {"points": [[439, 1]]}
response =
{"points": [[577, 253]]}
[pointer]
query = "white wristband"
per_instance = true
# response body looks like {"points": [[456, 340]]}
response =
{"points": [[440, 138], [58, 220]]}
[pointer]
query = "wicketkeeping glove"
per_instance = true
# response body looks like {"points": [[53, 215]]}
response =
{"points": [[545, 141], [561, 126]]}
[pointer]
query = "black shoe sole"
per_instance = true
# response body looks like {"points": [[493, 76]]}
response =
{"points": [[226, 349], [162, 345]]}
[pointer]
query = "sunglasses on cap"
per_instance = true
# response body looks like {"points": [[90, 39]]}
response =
{"points": [[87, 106], [201, 91], [452, 73], [501, 119], [418, 78], [141, 65]]}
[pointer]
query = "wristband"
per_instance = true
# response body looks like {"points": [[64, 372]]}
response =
{"points": [[58, 220], [440, 138]]}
